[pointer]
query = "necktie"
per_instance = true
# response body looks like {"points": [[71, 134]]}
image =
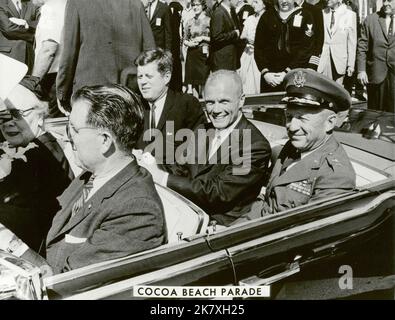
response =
{"points": [[152, 121], [149, 11], [81, 200], [391, 27], [332, 20], [18, 6]]}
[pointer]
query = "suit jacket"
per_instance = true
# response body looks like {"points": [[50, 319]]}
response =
{"points": [[181, 111], [376, 51], [325, 172], [340, 44], [101, 38], [161, 26], [224, 41], [123, 217], [17, 41], [227, 184], [28, 194]]}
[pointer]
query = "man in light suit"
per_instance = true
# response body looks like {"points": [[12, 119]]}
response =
{"points": [[376, 57], [112, 209], [166, 111], [158, 14], [18, 21], [226, 161], [340, 41], [101, 39], [225, 37]]}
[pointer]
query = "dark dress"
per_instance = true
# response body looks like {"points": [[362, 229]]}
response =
{"points": [[197, 66], [28, 194], [175, 20]]}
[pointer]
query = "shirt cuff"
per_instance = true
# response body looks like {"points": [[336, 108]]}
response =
{"points": [[164, 179], [20, 250]]}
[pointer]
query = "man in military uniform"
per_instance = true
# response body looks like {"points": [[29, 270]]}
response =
{"points": [[312, 165]]}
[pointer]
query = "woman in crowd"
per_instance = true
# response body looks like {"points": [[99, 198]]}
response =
{"points": [[33, 168], [197, 39], [284, 40], [248, 71]]}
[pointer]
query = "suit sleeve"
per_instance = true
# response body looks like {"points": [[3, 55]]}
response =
{"points": [[352, 41], [12, 30], [218, 36], [260, 45], [148, 37], [70, 52], [136, 228], [222, 192], [195, 112], [362, 48], [35, 18], [318, 38], [168, 36]]}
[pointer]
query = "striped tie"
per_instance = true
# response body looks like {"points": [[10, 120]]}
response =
{"points": [[85, 192]]}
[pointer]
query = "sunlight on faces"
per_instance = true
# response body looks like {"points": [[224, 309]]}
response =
{"points": [[258, 5], [389, 6], [151, 82], [224, 100], [309, 127], [89, 143], [21, 131], [285, 5]]}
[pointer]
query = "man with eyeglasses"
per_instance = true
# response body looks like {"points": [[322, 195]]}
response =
{"points": [[112, 209]]}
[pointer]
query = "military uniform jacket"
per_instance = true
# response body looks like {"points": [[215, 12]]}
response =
{"points": [[325, 172]]}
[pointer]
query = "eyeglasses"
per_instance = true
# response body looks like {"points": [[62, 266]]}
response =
{"points": [[76, 131], [16, 114]]}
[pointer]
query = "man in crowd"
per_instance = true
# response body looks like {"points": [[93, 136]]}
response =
{"points": [[167, 111], [158, 14], [101, 38], [226, 161], [312, 165], [18, 21], [48, 46], [225, 37], [376, 57], [112, 209], [340, 42]]}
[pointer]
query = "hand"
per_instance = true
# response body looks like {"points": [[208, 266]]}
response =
{"points": [[350, 71], [280, 77], [363, 77], [271, 79], [147, 161]]}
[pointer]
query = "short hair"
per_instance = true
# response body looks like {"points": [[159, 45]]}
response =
{"points": [[202, 2], [115, 108], [233, 75], [163, 59]]}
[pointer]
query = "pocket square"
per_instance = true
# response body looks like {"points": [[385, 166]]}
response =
{"points": [[72, 239]]}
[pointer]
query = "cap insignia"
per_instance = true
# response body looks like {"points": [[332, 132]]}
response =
{"points": [[299, 79]]}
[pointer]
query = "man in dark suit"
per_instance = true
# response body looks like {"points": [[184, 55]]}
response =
{"points": [[111, 210], [101, 38], [226, 162], [376, 57], [225, 37], [18, 21], [175, 20], [158, 14], [166, 111]]}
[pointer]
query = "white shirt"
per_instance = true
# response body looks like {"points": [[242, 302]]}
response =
{"points": [[387, 23], [220, 137], [50, 27], [159, 105], [153, 7], [100, 181], [15, 4]]}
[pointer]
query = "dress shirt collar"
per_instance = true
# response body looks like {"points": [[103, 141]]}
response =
{"points": [[159, 106]]}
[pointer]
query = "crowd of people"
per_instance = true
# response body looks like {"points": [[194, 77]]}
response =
{"points": [[129, 74]]}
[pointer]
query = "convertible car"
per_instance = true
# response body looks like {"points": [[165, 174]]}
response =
{"points": [[301, 253]]}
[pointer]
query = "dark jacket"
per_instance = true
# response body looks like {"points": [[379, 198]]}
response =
{"points": [[28, 194], [17, 41], [123, 217], [161, 26], [224, 188], [101, 38], [181, 111], [224, 41], [284, 45]]}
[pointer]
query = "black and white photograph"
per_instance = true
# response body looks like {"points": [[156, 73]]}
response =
{"points": [[197, 157]]}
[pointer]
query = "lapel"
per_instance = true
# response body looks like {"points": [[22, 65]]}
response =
{"points": [[169, 104], [227, 16], [64, 224], [13, 9], [383, 26], [339, 15]]}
